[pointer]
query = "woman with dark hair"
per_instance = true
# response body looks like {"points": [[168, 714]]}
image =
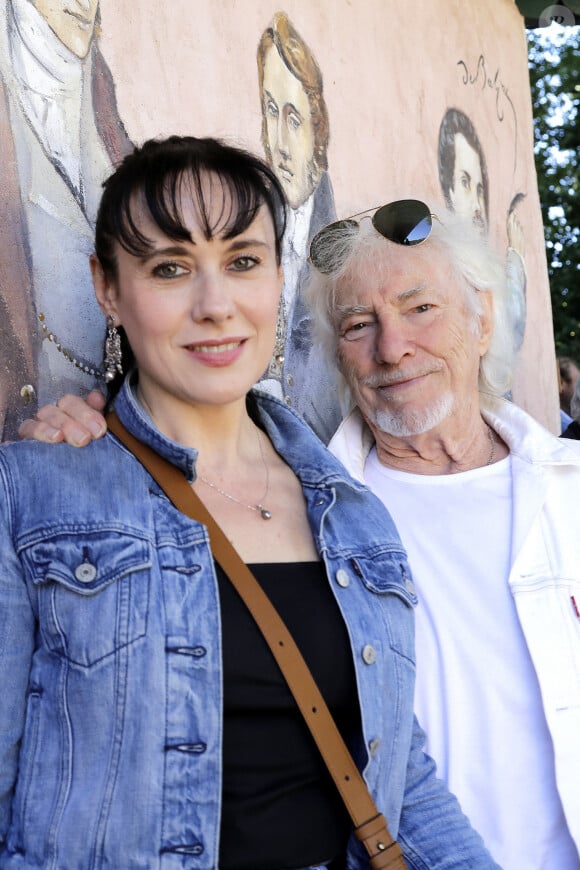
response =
{"points": [[143, 721]]}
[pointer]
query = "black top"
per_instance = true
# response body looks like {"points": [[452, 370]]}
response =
{"points": [[280, 806]]}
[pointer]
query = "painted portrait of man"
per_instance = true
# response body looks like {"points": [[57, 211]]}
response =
{"points": [[295, 137], [60, 135], [465, 186], [462, 169]]}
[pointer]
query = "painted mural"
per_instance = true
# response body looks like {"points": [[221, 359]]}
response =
{"points": [[420, 102], [60, 136], [464, 180], [295, 137]]}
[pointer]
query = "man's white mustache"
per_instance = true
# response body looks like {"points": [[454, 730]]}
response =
{"points": [[384, 380]]}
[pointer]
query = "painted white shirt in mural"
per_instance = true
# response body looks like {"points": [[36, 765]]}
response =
{"points": [[61, 166], [294, 256], [295, 250], [49, 81]]}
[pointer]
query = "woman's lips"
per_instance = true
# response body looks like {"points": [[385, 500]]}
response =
{"points": [[217, 353]]}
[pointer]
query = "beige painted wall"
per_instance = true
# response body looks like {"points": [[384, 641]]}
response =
{"points": [[390, 71]]}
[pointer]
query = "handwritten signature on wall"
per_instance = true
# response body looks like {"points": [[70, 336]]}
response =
{"points": [[503, 100]]}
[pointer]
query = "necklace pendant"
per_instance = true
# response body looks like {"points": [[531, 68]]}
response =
{"points": [[264, 512]]}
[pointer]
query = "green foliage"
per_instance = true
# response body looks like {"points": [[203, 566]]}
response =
{"points": [[555, 83]]}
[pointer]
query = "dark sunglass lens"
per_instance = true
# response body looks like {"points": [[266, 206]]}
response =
{"points": [[323, 245], [406, 222]]}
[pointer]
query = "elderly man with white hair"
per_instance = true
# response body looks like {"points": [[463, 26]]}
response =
{"points": [[485, 500]]}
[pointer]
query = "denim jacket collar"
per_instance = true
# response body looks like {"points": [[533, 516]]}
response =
{"points": [[314, 467], [138, 422]]}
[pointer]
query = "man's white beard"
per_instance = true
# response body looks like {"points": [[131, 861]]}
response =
{"points": [[403, 423]]}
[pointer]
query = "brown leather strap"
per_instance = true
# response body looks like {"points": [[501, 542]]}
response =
{"points": [[369, 825]]}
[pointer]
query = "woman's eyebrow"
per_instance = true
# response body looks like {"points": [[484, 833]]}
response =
{"points": [[169, 251], [238, 244]]}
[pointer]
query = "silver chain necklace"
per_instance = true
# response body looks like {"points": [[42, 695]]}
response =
{"points": [[259, 507], [491, 438]]}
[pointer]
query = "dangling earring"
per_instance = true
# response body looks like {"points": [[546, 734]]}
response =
{"points": [[113, 353], [277, 360]]}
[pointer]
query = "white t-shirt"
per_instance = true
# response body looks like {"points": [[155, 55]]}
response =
{"points": [[477, 695]]}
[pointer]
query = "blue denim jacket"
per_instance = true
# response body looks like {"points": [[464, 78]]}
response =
{"points": [[111, 682]]}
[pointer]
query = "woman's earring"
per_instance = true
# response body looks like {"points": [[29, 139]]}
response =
{"points": [[113, 352], [277, 359]]}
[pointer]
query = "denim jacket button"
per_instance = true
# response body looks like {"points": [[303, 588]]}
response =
{"points": [[27, 394], [85, 572], [342, 578], [374, 746], [410, 586], [369, 654]]}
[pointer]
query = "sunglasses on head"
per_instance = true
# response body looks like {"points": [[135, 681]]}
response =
{"points": [[406, 222]]}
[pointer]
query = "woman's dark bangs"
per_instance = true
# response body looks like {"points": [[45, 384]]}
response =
{"points": [[243, 195], [160, 197], [239, 198], [127, 232], [240, 205], [239, 191], [163, 194]]}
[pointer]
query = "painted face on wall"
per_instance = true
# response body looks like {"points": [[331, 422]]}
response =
{"points": [[467, 194], [73, 22], [289, 130]]}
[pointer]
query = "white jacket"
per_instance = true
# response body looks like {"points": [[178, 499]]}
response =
{"points": [[545, 572]]}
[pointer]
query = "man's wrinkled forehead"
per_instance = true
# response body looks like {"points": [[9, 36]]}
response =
{"points": [[386, 267]]}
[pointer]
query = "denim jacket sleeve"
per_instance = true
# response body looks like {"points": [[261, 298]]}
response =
{"points": [[433, 831], [16, 647]]}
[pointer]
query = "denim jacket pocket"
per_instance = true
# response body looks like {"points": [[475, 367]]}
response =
{"points": [[92, 589], [388, 577]]}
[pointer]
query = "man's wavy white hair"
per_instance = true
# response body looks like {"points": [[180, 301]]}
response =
{"points": [[359, 256]]}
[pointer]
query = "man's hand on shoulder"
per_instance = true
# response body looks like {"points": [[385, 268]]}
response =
{"points": [[74, 420]]}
